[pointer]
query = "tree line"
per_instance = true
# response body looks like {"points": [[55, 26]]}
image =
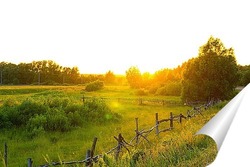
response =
{"points": [[212, 75], [48, 72]]}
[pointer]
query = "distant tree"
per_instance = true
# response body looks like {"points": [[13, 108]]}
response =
{"points": [[161, 77], [146, 80], [9, 73], [244, 75], [74, 75], [134, 77], [25, 73], [42, 72], [212, 75], [109, 77]]}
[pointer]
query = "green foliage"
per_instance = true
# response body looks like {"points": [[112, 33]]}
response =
{"points": [[98, 111], [170, 89], [38, 115], [212, 75], [45, 72], [134, 77], [94, 86], [152, 89], [109, 77], [163, 82], [47, 146], [56, 120], [244, 75], [20, 91], [141, 92]]}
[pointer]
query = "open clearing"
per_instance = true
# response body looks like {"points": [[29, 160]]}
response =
{"points": [[177, 147]]}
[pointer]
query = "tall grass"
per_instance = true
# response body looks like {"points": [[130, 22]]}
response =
{"points": [[176, 148]]}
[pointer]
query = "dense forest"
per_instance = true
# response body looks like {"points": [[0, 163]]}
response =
{"points": [[46, 72]]}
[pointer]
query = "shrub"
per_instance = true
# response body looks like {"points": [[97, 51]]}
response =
{"points": [[36, 122], [53, 114], [57, 121], [4, 122], [35, 126], [72, 108], [28, 108], [152, 89], [93, 86], [170, 89], [75, 119], [96, 110], [141, 92]]}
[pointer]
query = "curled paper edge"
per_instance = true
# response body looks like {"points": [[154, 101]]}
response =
{"points": [[219, 125]]}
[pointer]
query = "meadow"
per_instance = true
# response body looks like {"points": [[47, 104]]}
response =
{"points": [[52, 123]]}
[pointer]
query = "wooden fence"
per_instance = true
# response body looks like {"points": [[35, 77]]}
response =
{"points": [[140, 135], [139, 101]]}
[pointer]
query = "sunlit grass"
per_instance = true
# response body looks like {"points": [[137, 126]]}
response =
{"points": [[169, 148]]}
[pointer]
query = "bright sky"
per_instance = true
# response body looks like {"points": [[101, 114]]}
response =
{"points": [[98, 36]]}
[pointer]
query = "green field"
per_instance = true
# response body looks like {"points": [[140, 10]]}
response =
{"points": [[178, 147]]}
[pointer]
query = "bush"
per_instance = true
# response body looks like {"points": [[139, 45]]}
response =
{"points": [[57, 102], [75, 119], [53, 114], [28, 108], [72, 108], [35, 126], [152, 89], [36, 122], [4, 122], [93, 86], [170, 89], [56, 121], [141, 92], [96, 111]]}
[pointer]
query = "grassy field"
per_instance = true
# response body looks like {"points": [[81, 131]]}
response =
{"points": [[178, 147]]}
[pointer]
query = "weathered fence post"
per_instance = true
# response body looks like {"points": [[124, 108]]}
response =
{"points": [[118, 149], [119, 146], [180, 118], [156, 124], [30, 162], [5, 154], [93, 147], [90, 154], [171, 120], [136, 130], [83, 98], [140, 101], [121, 143]]}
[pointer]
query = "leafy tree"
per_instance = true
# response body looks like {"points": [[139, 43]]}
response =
{"points": [[109, 77], [212, 75], [42, 72], [25, 73], [134, 77], [244, 75], [74, 75], [146, 80], [8, 73]]}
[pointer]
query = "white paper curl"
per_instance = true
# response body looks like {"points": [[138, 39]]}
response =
{"points": [[230, 128]]}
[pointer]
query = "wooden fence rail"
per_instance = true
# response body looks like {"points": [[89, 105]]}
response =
{"points": [[139, 101], [5, 154], [121, 142]]}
